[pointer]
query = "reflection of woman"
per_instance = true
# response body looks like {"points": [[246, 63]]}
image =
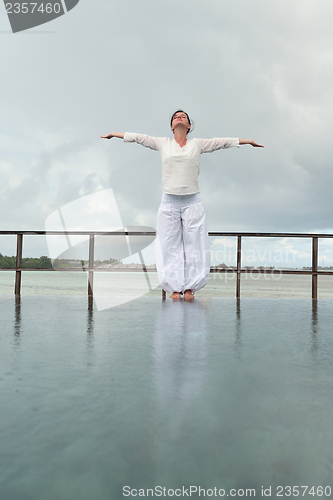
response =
{"points": [[182, 243], [180, 354]]}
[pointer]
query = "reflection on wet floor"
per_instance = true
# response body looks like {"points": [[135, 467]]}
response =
{"points": [[216, 392], [17, 320], [179, 353]]}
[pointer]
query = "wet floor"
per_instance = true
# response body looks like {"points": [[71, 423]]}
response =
{"points": [[210, 394]]}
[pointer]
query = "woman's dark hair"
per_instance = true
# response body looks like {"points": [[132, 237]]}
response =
{"points": [[189, 120]]}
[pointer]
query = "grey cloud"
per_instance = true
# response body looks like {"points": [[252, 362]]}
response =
{"points": [[249, 69]]}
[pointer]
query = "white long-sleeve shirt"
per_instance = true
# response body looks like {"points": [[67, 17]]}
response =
{"points": [[181, 165]]}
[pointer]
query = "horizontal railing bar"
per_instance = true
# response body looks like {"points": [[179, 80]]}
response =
{"points": [[271, 271], [80, 233], [271, 235], [75, 269], [213, 271], [153, 233]]}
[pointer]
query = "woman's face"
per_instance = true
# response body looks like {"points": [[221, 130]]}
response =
{"points": [[180, 118]]}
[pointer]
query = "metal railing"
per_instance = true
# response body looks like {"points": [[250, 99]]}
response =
{"points": [[238, 270]]}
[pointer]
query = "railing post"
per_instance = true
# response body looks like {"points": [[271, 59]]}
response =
{"points": [[19, 246], [314, 267], [239, 265], [91, 266]]}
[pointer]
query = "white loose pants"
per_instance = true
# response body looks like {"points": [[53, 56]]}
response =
{"points": [[182, 244]]}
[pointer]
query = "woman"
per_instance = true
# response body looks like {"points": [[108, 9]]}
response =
{"points": [[182, 244]]}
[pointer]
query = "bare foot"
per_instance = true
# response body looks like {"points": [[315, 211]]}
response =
{"points": [[188, 295], [175, 295]]}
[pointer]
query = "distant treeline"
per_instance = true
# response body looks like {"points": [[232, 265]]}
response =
{"points": [[45, 262], [35, 263]]}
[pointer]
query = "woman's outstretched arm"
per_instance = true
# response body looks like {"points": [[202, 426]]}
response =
{"points": [[119, 135], [251, 142], [143, 139]]}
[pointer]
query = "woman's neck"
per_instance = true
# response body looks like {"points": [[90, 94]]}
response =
{"points": [[180, 137]]}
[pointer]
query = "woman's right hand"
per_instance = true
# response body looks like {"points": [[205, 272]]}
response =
{"points": [[109, 136], [119, 135]]}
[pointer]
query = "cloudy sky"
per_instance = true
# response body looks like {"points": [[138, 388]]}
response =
{"points": [[246, 68]]}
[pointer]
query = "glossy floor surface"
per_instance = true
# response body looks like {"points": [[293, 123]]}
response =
{"points": [[214, 393]]}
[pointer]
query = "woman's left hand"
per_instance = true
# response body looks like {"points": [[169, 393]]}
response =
{"points": [[255, 145], [251, 142]]}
